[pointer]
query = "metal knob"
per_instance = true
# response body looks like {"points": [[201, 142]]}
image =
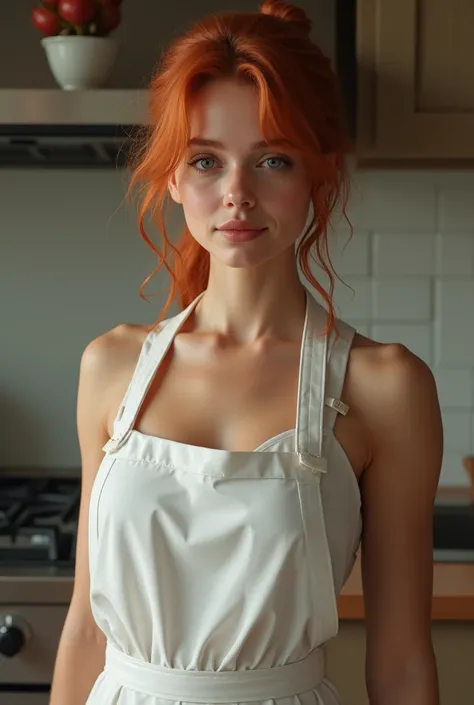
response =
{"points": [[13, 634]]}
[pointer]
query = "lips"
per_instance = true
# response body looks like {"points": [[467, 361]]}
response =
{"points": [[239, 225], [241, 235], [240, 230]]}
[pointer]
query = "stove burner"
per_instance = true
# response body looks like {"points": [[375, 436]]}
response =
{"points": [[38, 520]]}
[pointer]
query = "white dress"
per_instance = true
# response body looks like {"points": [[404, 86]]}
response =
{"points": [[214, 574]]}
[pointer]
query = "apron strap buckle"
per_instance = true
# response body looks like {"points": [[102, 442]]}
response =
{"points": [[315, 462]]}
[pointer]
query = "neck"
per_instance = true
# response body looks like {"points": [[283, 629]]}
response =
{"points": [[253, 303]]}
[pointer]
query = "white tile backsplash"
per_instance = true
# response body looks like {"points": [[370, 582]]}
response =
{"points": [[456, 208], [455, 388], [361, 328], [416, 337], [454, 338], [404, 253], [456, 254], [389, 201], [452, 471], [402, 299], [411, 263], [457, 431], [354, 298], [350, 256]]}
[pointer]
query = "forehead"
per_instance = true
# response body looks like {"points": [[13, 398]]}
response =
{"points": [[226, 110]]}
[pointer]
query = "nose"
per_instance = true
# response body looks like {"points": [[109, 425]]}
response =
{"points": [[238, 192]]}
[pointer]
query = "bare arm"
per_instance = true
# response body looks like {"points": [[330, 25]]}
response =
{"points": [[81, 651], [402, 415]]}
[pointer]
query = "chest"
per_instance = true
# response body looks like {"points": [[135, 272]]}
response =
{"points": [[230, 399]]}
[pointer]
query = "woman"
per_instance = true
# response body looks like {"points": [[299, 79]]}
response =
{"points": [[216, 531]]}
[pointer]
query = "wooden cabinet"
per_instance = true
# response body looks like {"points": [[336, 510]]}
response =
{"points": [[454, 649], [415, 80]]}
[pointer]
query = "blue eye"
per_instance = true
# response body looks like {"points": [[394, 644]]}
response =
{"points": [[197, 160], [204, 164], [281, 163]]}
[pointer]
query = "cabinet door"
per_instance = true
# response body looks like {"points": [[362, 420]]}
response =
{"points": [[416, 78]]}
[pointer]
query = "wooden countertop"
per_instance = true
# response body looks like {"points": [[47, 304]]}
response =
{"points": [[453, 586], [453, 593]]}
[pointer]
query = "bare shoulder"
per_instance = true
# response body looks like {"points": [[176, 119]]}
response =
{"points": [[112, 349], [393, 391], [107, 365], [388, 368]]}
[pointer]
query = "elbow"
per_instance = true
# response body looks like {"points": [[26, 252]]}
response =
{"points": [[80, 627]]}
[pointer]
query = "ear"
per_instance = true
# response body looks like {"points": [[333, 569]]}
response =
{"points": [[173, 188]]}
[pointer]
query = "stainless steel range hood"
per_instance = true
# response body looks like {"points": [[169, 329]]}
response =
{"points": [[56, 128]]}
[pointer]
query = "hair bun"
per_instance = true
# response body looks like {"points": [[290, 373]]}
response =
{"points": [[288, 12]]}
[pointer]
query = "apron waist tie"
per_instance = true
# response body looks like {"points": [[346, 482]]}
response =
{"points": [[215, 686]]}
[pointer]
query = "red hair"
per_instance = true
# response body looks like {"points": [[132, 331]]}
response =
{"points": [[299, 101]]}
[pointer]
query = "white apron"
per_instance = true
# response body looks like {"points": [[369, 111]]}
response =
{"points": [[211, 571]]}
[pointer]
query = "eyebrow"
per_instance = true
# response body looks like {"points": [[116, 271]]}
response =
{"points": [[201, 142]]}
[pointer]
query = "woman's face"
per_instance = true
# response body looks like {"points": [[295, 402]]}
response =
{"points": [[228, 173]]}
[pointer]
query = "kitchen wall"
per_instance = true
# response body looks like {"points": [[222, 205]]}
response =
{"points": [[411, 264], [72, 261]]}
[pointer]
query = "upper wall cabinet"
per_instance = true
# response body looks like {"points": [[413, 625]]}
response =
{"points": [[415, 94]]}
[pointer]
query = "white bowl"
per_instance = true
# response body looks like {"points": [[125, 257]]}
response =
{"points": [[79, 63]]}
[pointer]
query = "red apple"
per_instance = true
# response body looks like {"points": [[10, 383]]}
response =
{"points": [[77, 12], [46, 21], [109, 16]]}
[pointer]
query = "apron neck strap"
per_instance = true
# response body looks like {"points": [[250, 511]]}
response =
{"points": [[312, 381]]}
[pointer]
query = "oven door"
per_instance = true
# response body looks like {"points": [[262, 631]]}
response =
{"points": [[29, 639]]}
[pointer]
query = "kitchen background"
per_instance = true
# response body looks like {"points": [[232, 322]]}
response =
{"points": [[72, 262], [72, 259]]}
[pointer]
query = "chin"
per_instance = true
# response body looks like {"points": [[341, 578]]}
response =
{"points": [[242, 260]]}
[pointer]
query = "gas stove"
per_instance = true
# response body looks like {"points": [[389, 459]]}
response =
{"points": [[38, 521], [38, 527]]}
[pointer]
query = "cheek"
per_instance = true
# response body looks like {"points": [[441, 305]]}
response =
{"points": [[286, 198], [198, 198], [284, 188]]}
